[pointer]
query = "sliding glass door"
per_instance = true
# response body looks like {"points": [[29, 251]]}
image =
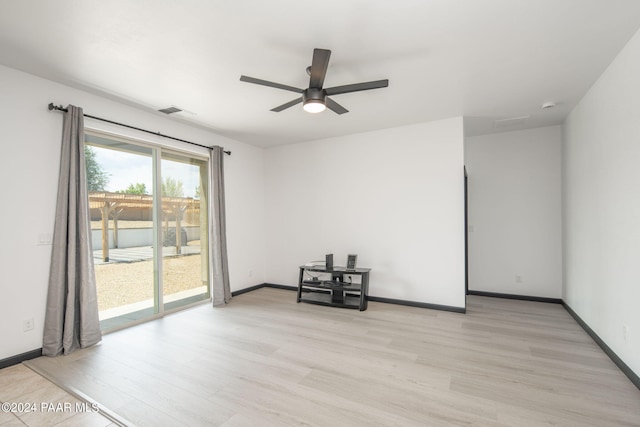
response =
{"points": [[149, 221], [185, 269]]}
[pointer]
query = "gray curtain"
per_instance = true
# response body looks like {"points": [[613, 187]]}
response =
{"points": [[71, 319], [220, 271]]}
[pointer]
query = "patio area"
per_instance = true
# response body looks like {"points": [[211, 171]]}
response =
{"points": [[141, 253]]}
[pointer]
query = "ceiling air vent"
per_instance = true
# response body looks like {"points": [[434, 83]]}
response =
{"points": [[507, 123], [170, 110]]}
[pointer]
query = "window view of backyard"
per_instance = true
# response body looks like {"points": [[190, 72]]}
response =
{"points": [[149, 255]]}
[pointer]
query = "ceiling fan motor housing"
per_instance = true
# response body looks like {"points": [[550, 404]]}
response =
{"points": [[313, 94]]}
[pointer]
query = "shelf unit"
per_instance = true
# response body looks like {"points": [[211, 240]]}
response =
{"points": [[335, 292]]}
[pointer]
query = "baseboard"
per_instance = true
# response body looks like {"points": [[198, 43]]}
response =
{"points": [[276, 286], [263, 285], [418, 304], [369, 298], [635, 379], [514, 296], [15, 360], [245, 290]]}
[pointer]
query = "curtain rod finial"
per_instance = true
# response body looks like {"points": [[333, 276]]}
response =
{"points": [[52, 107]]}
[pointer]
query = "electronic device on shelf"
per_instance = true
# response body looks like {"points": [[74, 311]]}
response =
{"points": [[351, 262], [329, 261]]}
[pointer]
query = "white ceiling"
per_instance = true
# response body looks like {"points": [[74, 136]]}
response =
{"points": [[483, 59]]}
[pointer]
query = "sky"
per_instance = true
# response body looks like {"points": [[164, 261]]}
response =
{"points": [[126, 168]]}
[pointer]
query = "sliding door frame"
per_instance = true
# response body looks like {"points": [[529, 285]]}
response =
{"points": [[157, 148]]}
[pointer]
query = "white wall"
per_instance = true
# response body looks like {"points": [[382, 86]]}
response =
{"points": [[514, 208], [394, 197], [601, 192], [29, 170]]}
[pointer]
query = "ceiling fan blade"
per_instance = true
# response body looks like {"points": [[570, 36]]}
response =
{"points": [[287, 105], [319, 67], [335, 107], [356, 87], [270, 84]]}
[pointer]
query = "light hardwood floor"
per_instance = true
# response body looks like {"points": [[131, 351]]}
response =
{"points": [[21, 389], [266, 361]]}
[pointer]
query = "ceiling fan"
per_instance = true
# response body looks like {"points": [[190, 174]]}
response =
{"points": [[315, 99]]}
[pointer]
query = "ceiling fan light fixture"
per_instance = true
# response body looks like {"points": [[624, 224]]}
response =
{"points": [[314, 106], [313, 100]]}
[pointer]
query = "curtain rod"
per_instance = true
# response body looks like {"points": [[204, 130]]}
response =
{"points": [[61, 108]]}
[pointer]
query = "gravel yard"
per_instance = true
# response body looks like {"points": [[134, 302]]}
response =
{"points": [[127, 283]]}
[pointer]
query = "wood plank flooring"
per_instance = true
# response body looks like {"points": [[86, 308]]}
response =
{"points": [[21, 389], [266, 361]]}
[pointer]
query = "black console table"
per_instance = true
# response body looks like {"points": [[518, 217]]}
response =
{"points": [[337, 292]]}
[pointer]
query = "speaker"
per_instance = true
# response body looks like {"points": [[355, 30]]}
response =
{"points": [[329, 260], [351, 261]]}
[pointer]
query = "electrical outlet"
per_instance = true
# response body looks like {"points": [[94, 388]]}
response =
{"points": [[27, 325], [625, 332]]}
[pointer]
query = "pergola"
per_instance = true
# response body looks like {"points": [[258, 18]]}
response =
{"points": [[114, 204]]}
